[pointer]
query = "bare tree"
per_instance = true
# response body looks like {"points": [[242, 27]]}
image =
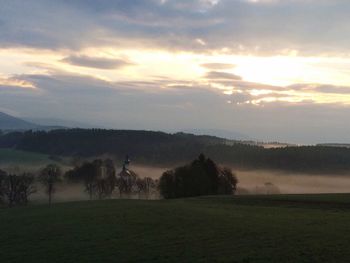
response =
{"points": [[98, 177], [126, 181], [145, 186], [18, 188], [49, 177], [3, 175], [90, 173], [105, 181], [141, 186]]}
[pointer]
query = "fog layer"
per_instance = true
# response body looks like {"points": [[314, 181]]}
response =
{"points": [[250, 182]]}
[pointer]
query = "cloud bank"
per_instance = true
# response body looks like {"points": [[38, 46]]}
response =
{"points": [[273, 69]]}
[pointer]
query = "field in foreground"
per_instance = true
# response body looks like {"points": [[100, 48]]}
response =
{"points": [[286, 228]]}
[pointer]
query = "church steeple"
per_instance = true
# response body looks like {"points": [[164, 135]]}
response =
{"points": [[126, 162]]}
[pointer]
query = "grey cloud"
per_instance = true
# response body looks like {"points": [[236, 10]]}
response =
{"points": [[236, 82], [219, 75], [246, 97], [241, 97], [247, 85], [263, 27], [126, 105], [96, 62], [321, 88], [217, 66], [110, 104], [332, 89]]}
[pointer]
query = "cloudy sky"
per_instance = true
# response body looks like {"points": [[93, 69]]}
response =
{"points": [[271, 69]]}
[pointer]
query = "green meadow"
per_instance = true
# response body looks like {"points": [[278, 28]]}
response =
{"points": [[18, 157], [280, 228]]}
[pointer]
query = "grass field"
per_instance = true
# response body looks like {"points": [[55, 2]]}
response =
{"points": [[286, 228], [10, 156]]}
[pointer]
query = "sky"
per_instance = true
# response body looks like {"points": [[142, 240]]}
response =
{"points": [[275, 70]]}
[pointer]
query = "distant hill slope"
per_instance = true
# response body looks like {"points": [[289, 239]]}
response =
{"points": [[53, 122], [8, 122], [146, 146], [344, 145], [230, 135]]}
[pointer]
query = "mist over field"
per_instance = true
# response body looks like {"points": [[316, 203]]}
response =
{"points": [[259, 181], [292, 183], [250, 182], [67, 191]]}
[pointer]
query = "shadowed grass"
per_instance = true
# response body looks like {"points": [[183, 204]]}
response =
{"points": [[286, 228]]}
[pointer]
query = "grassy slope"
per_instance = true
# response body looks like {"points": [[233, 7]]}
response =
{"points": [[10, 156], [240, 229]]}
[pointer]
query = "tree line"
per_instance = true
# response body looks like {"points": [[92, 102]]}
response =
{"points": [[98, 177], [201, 177], [158, 148], [16, 188], [101, 181]]}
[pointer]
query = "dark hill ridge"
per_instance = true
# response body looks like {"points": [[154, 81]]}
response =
{"points": [[146, 146], [159, 148], [8, 122]]}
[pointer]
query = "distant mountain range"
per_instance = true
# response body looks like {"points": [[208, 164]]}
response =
{"points": [[10, 123], [53, 122]]}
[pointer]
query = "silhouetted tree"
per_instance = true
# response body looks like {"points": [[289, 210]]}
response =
{"points": [[106, 180], [86, 173], [145, 186], [167, 184], [49, 177], [227, 182], [17, 188], [3, 175], [89, 172], [150, 184], [98, 177], [126, 181], [201, 177]]}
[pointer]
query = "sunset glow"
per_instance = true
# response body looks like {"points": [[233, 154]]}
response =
{"points": [[176, 55]]}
